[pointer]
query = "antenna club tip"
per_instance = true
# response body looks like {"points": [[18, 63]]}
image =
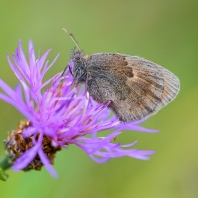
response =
{"points": [[64, 30]]}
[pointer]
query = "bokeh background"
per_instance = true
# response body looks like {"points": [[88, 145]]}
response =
{"points": [[165, 32]]}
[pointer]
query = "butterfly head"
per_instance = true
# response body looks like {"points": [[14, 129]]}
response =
{"points": [[78, 71]]}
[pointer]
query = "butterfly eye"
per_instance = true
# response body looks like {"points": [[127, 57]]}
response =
{"points": [[77, 57]]}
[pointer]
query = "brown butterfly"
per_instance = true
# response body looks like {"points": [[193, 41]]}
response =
{"points": [[135, 87]]}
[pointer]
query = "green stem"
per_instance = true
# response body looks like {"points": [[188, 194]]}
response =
{"points": [[5, 162]]}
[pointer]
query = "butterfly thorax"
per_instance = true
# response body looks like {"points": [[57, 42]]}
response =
{"points": [[79, 70]]}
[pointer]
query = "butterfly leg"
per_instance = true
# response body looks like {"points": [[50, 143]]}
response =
{"points": [[63, 72]]}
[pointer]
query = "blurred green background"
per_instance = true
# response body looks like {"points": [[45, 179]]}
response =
{"points": [[165, 32]]}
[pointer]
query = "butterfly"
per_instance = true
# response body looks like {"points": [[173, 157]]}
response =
{"points": [[135, 87]]}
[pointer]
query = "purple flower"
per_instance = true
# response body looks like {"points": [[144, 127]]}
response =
{"points": [[58, 116]]}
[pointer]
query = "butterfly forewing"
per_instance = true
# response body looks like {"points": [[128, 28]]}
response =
{"points": [[136, 87]]}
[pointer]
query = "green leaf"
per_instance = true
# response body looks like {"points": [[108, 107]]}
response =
{"points": [[3, 176]]}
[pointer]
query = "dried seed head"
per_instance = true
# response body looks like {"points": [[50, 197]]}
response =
{"points": [[16, 145]]}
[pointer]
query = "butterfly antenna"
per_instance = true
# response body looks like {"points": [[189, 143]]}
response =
{"points": [[72, 37]]}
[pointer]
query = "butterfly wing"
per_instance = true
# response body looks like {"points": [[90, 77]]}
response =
{"points": [[135, 86]]}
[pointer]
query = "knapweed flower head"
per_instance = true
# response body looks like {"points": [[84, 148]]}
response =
{"points": [[56, 115]]}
